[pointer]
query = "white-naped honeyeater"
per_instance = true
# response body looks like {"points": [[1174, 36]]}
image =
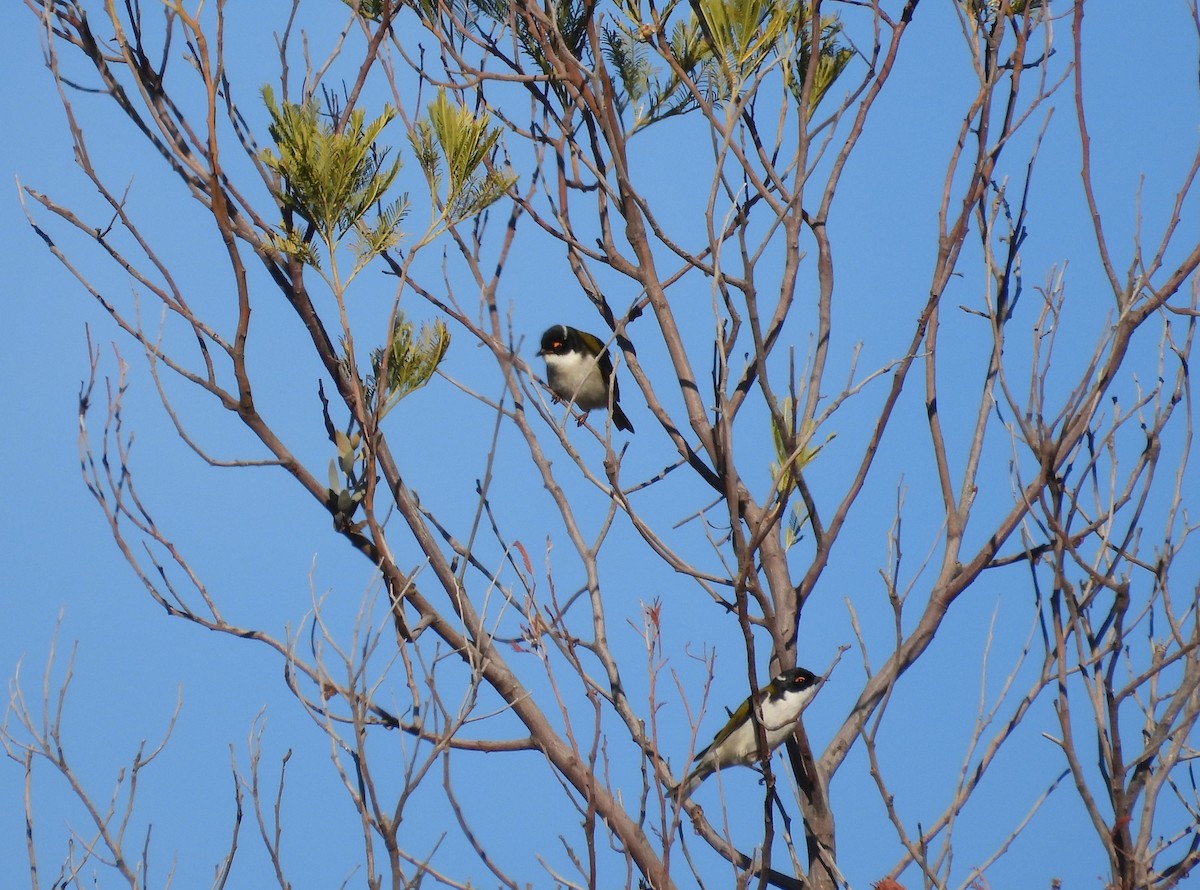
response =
{"points": [[779, 704], [580, 372]]}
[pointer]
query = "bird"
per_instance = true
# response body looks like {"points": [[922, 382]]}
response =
{"points": [[579, 371], [779, 705]]}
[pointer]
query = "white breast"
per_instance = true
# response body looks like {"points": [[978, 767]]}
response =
{"points": [[576, 378], [778, 718]]}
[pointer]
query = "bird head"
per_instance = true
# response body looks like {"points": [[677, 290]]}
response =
{"points": [[558, 341], [793, 681]]}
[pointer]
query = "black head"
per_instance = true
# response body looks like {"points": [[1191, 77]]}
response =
{"points": [[559, 340], [794, 680]]}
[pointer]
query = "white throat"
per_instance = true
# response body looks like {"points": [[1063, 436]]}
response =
{"points": [[576, 377]]}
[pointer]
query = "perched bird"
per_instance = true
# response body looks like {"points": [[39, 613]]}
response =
{"points": [[580, 371], [779, 705]]}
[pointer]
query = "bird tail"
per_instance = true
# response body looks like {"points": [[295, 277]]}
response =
{"points": [[620, 421], [693, 780]]}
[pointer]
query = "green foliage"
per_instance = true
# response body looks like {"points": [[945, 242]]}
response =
{"points": [[628, 55], [570, 24], [333, 179], [346, 498], [719, 50], [791, 463], [832, 57], [368, 9], [290, 242], [655, 99], [452, 144], [406, 364], [744, 34], [986, 12]]}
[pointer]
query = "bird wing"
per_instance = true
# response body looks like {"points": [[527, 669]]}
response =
{"points": [[740, 716], [596, 347], [702, 768], [593, 343]]}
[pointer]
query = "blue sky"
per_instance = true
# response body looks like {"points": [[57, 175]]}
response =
{"points": [[267, 552]]}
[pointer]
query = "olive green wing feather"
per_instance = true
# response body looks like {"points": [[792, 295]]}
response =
{"points": [[740, 716], [593, 344]]}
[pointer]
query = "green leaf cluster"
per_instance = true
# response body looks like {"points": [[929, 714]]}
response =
{"points": [[650, 97], [832, 58], [744, 33], [570, 22], [346, 498], [332, 179], [368, 9], [453, 145], [720, 46], [791, 463], [986, 12], [407, 362]]}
